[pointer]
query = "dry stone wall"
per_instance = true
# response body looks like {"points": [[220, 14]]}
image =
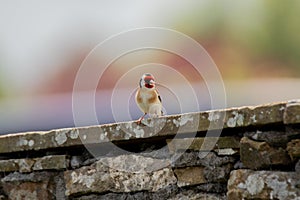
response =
{"points": [[256, 156]]}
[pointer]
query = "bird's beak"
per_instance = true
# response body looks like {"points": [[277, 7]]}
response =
{"points": [[152, 82]]}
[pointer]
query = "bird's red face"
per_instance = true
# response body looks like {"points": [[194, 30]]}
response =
{"points": [[147, 81]]}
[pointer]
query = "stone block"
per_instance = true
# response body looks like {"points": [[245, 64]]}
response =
{"points": [[274, 138], [55, 162], [218, 174], [203, 144], [227, 152], [190, 176], [33, 186], [248, 184], [259, 155], [125, 173], [292, 112], [181, 194], [206, 159], [293, 148]]}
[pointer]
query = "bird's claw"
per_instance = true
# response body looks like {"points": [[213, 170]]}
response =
{"points": [[139, 122]]}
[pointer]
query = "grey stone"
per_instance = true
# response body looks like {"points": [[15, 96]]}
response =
{"points": [[8, 166], [227, 152], [192, 195], [33, 164], [164, 193], [206, 159], [293, 147], [36, 185], [218, 188], [293, 132], [51, 162], [297, 166], [3, 197], [203, 143], [277, 138], [259, 155], [274, 138], [126, 173], [25, 165], [22, 165], [171, 192], [162, 153], [76, 161], [238, 165], [190, 176], [292, 112], [248, 184], [218, 174]]}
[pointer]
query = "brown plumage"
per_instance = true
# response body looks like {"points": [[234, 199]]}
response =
{"points": [[147, 97]]}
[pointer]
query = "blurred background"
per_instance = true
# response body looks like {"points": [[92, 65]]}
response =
{"points": [[255, 44]]}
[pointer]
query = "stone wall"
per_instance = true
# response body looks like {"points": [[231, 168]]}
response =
{"points": [[172, 157]]}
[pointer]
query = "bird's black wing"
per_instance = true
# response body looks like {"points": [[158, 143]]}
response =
{"points": [[158, 96], [159, 100]]}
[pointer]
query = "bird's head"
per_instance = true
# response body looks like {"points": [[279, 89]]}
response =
{"points": [[147, 81]]}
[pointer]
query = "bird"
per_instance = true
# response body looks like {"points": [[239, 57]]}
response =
{"points": [[147, 97]]}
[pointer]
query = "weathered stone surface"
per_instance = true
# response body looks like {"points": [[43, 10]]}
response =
{"points": [[22, 165], [297, 166], [259, 155], [37, 185], [39, 140], [274, 138], [163, 126], [293, 131], [217, 174], [200, 174], [126, 173], [191, 195], [292, 112], [164, 193], [278, 138], [206, 159], [33, 164], [293, 148], [226, 152], [248, 184], [203, 144], [217, 188], [170, 192], [3, 197], [267, 114], [8, 166], [76, 161], [190, 176], [51, 162]]}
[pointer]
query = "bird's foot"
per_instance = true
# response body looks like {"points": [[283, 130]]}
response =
{"points": [[139, 121]]}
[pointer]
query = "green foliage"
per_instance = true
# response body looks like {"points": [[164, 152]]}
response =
{"points": [[265, 30], [281, 26]]}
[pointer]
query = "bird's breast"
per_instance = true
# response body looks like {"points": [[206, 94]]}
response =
{"points": [[146, 98]]}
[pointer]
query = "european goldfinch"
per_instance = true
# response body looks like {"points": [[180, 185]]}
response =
{"points": [[147, 97]]}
